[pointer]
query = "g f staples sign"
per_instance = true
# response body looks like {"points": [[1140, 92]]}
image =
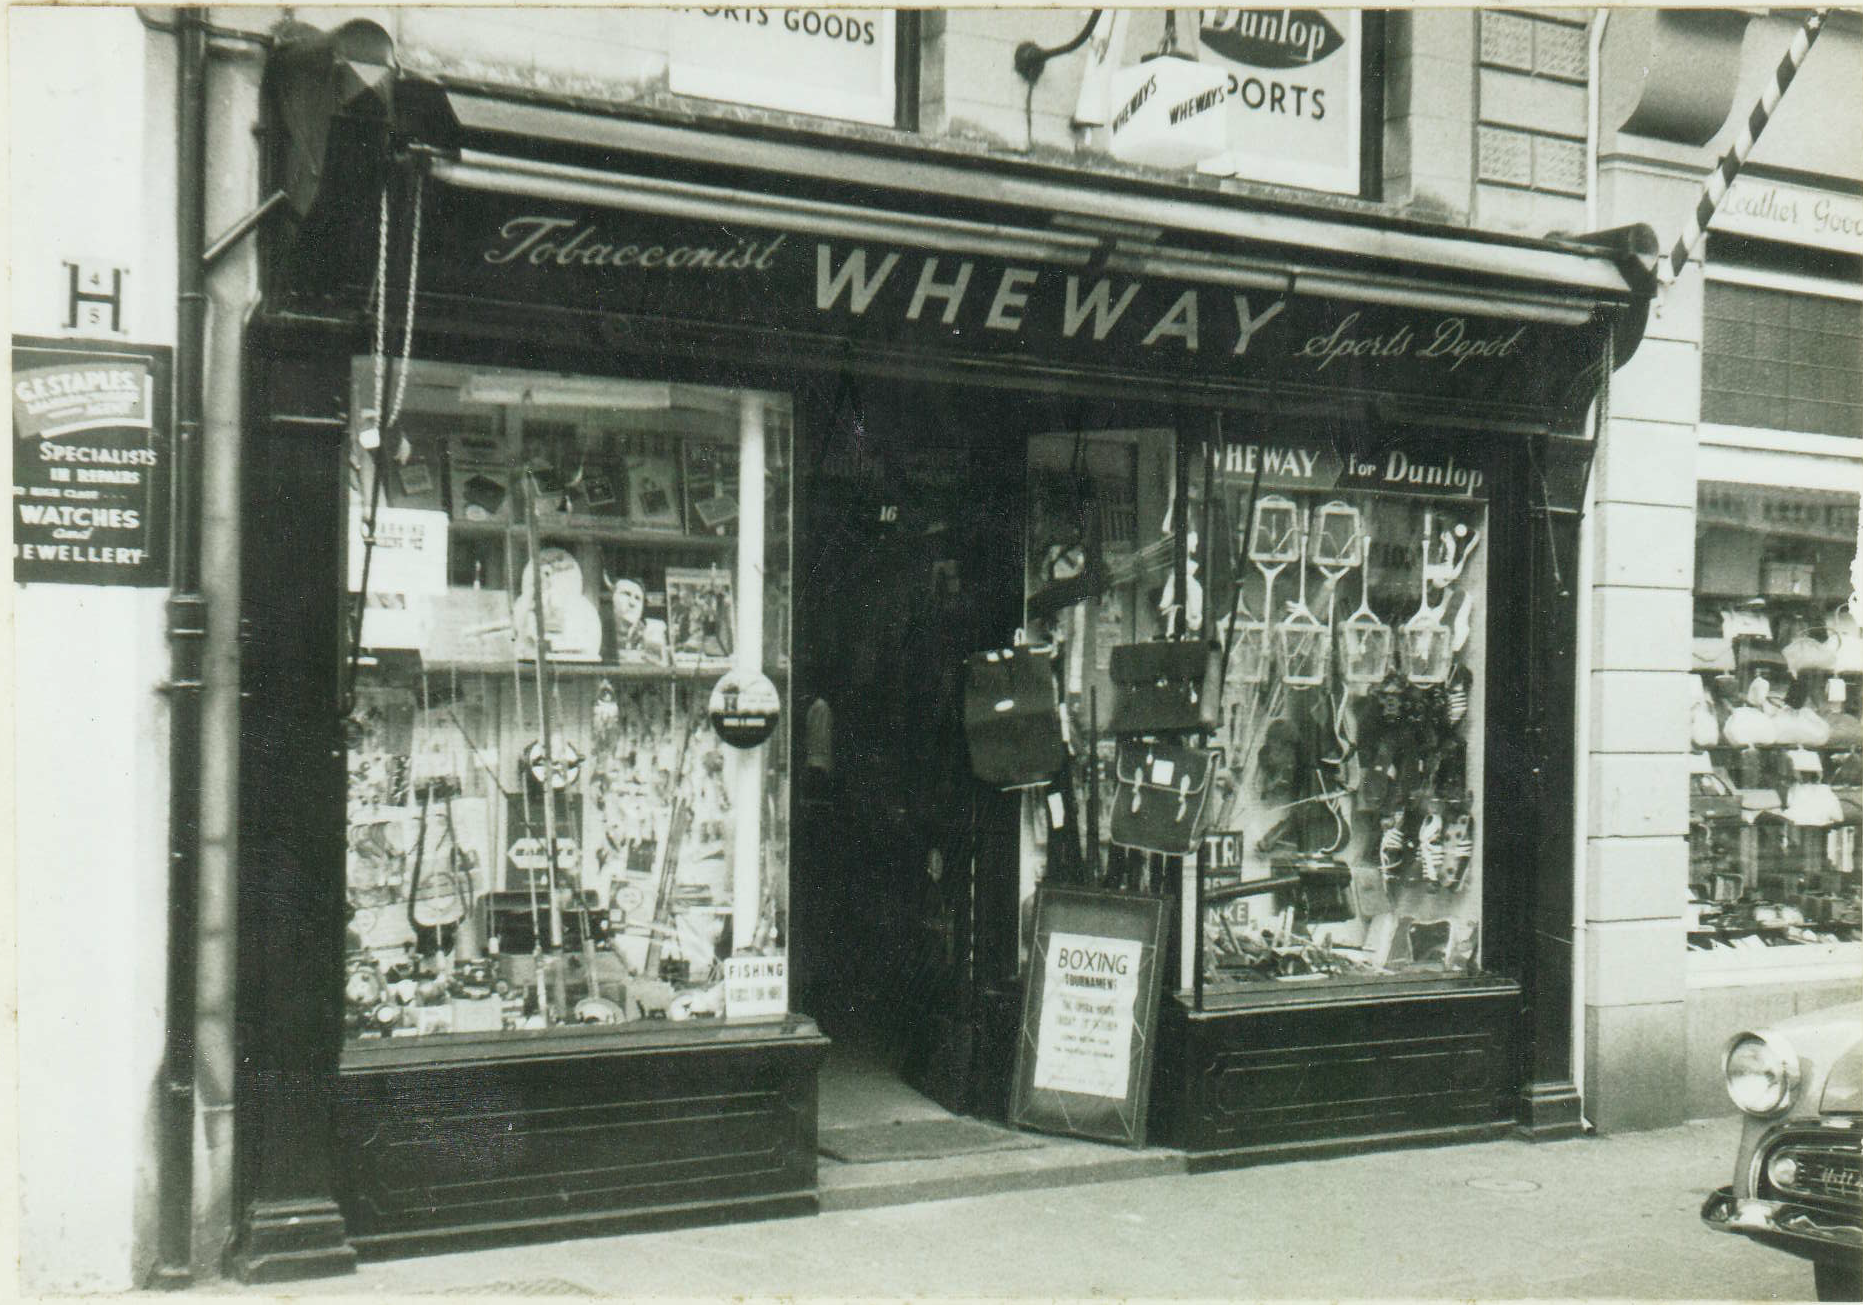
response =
{"points": [[90, 463], [834, 63]]}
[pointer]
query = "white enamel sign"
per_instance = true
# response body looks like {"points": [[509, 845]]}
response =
{"points": [[835, 63]]}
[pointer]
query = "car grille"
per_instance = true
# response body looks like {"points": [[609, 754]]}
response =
{"points": [[1829, 1165]]}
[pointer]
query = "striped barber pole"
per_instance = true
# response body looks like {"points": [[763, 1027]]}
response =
{"points": [[1731, 162]]}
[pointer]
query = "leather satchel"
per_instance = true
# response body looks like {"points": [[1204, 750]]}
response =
{"points": [[1165, 685], [1162, 795], [1012, 716]]}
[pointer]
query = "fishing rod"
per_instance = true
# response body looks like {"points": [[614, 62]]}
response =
{"points": [[533, 542]]}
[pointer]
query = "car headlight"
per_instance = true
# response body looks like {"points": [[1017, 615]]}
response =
{"points": [[1762, 1073]]}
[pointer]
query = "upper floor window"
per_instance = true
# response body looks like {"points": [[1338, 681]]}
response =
{"points": [[1781, 360]]}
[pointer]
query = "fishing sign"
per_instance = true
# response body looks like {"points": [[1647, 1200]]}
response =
{"points": [[91, 463]]}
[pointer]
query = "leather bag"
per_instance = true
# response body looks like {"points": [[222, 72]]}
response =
{"points": [[1165, 685], [1162, 795], [1012, 716]]}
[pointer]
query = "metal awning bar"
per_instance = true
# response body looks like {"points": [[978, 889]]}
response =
{"points": [[1407, 293], [474, 170], [1588, 275], [477, 170]]}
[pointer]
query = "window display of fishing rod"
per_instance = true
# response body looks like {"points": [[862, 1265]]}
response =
{"points": [[549, 818]]}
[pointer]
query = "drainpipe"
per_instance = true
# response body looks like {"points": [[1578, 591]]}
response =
{"points": [[187, 635], [1582, 633]]}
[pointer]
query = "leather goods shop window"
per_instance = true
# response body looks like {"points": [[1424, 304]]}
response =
{"points": [[1774, 815], [567, 668], [1331, 765]]}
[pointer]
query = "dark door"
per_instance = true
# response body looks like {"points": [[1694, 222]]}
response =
{"points": [[909, 558]]}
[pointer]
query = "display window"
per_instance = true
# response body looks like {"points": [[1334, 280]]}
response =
{"points": [[1317, 805], [1774, 811], [565, 686]]}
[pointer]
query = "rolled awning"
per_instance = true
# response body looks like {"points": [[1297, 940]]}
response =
{"points": [[1447, 269], [513, 175], [832, 251], [1452, 253]]}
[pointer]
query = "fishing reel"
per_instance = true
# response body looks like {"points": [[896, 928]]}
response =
{"points": [[560, 768]]}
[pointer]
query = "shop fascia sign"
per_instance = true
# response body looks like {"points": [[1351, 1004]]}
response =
{"points": [[897, 298], [1799, 215], [953, 294], [1806, 514]]}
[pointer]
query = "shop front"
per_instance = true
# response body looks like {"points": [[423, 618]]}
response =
{"points": [[622, 503]]}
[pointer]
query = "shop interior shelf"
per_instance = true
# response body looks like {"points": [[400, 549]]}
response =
{"points": [[601, 534], [1829, 598], [608, 670]]}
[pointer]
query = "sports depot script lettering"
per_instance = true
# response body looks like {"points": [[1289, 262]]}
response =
{"points": [[888, 297], [89, 484], [1089, 999]]}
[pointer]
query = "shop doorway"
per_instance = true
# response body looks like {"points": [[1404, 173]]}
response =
{"points": [[902, 880]]}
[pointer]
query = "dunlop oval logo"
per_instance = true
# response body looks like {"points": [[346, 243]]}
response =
{"points": [[1271, 38]]}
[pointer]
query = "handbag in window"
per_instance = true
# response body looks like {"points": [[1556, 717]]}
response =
{"points": [[1012, 716], [1165, 685], [1162, 794]]}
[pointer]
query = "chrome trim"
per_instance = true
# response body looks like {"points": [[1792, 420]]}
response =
{"points": [[1788, 1057], [1837, 1137], [1798, 1227]]}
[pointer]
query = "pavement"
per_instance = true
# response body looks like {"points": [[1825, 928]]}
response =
{"points": [[1611, 1217]]}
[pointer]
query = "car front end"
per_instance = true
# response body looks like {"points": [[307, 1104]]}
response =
{"points": [[1798, 1176]]}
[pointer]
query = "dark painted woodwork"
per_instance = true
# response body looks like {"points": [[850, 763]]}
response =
{"points": [[668, 1133], [1427, 1057], [1549, 1105], [499, 1142], [291, 908]]}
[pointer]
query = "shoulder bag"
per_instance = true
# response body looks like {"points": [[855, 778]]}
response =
{"points": [[1012, 716], [1165, 685], [1162, 794]]}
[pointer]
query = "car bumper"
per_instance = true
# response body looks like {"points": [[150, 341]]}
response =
{"points": [[1798, 1229]]}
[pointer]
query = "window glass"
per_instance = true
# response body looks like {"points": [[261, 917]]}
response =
{"points": [[1342, 829], [1781, 361], [1774, 778], [633, 868]]}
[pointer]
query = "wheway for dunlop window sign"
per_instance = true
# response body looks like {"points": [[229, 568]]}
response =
{"points": [[90, 463], [1292, 95], [834, 63]]}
